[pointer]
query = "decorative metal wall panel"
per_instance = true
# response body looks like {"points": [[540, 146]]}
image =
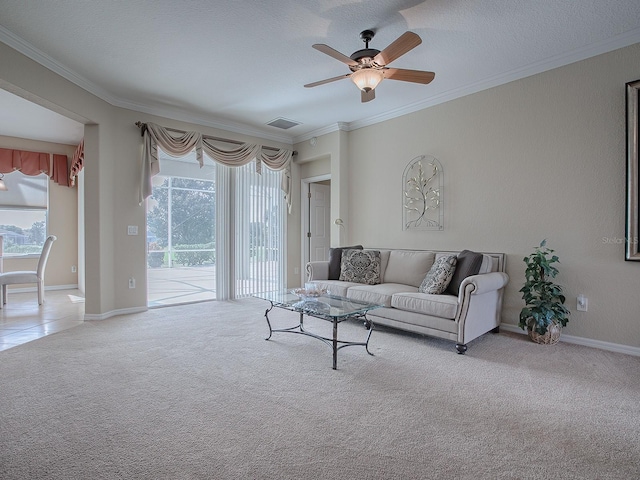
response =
{"points": [[422, 207]]}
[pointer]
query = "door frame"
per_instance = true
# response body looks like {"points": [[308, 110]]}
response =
{"points": [[304, 220]]}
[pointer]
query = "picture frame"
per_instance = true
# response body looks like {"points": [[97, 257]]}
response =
{"points": [[632, 233]]}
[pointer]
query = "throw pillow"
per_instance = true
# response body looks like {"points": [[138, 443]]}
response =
{"points": [[468, 264], [335, 259], [439, 276], [360, 266]]}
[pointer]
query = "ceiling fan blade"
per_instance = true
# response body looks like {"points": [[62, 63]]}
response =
{"points": [[326, 49], [367, 96], [415, 76], [399, 47], [328, 80]]}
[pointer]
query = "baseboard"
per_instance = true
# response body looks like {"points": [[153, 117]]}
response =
{"points": [[47, 288], [113, 313], [100, 316], [587, 342]]}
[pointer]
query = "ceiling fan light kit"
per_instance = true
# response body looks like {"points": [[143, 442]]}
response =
{"points": [[369, 66], [367, 79]]}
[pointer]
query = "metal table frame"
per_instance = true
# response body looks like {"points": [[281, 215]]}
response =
{"points": [[317, 308]]}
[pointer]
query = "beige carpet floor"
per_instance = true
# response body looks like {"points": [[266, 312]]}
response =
{"points": [[195, 392]]}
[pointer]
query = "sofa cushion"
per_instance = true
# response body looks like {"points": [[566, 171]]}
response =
{"points": [[408, 267], [468, 264], [489, 264], [384, 261], [439, 275], [335, 259], [444, 306], [360, 266], [407, 320], [379, 294], [335, 287]]}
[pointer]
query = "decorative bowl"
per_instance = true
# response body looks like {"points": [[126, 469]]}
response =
{"points": [[309, 292]]}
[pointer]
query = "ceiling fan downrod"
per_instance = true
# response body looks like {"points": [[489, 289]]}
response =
{"points": [[366, 36]]}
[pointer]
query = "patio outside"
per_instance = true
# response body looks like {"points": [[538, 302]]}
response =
{"points": [[186, 284]]}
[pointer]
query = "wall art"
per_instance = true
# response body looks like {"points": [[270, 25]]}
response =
{"points": [[422, 207], [632, 234]]}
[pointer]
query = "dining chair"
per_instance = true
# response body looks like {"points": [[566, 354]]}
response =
{"points": [[37, 276]]}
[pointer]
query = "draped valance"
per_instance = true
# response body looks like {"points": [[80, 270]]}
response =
{"points": [[77, 162], [178, 144], [34, 163]]}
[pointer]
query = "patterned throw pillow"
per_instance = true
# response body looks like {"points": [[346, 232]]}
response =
{"points": [[335, 259], [439, 276], [360, 266]]}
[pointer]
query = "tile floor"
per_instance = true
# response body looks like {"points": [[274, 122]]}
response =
{"points": [[23, 320]]}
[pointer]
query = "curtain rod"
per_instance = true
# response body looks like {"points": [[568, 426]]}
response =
{"points": [[143, 127]]}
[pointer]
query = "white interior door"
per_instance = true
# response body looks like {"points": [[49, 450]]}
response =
{"points": [[319, 221]]}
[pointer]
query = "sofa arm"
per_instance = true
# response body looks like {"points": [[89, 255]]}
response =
{"points": [[486, 282], [479, 306], [317, 271]]}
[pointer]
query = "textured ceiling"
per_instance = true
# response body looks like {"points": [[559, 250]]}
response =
{"points": [[239, 65]]}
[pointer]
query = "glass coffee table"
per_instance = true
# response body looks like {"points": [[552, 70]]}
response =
{"points": [[327, 307]]}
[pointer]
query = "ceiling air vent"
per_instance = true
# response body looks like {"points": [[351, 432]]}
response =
{"points": [[283, 123]]}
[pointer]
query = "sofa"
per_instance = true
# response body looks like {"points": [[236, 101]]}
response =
{"points": [[469, 308]]}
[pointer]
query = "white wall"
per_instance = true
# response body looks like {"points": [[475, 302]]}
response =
{"points": [[542, 157]]}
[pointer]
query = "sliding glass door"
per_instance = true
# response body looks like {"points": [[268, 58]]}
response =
{"points": [[213, 232], [259, 231]]}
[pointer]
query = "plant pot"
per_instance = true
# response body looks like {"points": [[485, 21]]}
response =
{"points": [[550, 338]]}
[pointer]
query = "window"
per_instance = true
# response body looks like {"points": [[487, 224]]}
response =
{"points": [[23, 213], [214, 232]]}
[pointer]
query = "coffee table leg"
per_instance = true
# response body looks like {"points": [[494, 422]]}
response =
{"points": [[335, 343], [266, 315], [369, 325]]}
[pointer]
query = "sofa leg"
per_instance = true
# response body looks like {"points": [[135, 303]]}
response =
{"points": [[461, 348], [496, 330]]}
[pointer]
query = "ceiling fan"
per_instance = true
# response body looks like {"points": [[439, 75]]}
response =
{"points": [[369, 66]]}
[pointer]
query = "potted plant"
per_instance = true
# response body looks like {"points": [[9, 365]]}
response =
{"points": [[544, 314]]}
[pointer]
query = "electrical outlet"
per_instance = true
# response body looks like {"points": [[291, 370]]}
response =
{"points": [[296, 270], [132, 282], [74, 269], [132, 230], [582, 303]]}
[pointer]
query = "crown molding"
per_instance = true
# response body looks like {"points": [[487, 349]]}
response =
{"points": [[46, 61], [619, 41], [334, 127], [206, 121]]}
